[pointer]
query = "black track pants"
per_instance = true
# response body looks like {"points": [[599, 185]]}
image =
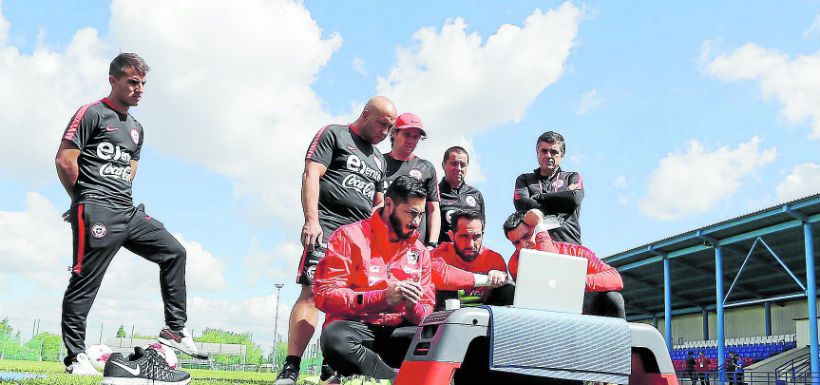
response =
{"points": [[352, 347], [98, 233]]}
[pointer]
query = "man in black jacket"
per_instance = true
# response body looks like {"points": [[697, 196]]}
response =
{"points": [[557, 192]]}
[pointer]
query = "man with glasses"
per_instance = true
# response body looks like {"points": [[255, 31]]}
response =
{"points": [[555, 191], [342, 182]]}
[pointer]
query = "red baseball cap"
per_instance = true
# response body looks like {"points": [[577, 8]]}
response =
{"points": [[410, 120]]}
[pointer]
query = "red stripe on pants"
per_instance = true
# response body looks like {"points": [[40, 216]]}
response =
{"points": [[80, 240]]}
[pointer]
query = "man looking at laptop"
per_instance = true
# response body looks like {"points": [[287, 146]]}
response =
{"points": [[374, 285], [526, 230], [464, 264]]}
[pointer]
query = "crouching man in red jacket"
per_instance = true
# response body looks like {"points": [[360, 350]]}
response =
{"points": [[526, 230], [374, 286], [464, 264]]}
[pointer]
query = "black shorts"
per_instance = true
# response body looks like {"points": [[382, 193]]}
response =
{"points": [[307, 266]]}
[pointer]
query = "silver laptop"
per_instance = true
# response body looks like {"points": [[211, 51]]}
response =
{"points": [[551, 282]]}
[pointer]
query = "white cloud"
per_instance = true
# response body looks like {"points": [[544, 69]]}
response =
{"points": [[279, 264], [358, 65], [695, 181], [236, 98], [40, 92], [589, 100], [814, 30], [35, 243], [619, 182], [793, 82], [804, 180], [479, 84], [204, 271]]}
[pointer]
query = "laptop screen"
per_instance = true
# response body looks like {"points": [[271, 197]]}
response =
{"points": [[551, 282]]}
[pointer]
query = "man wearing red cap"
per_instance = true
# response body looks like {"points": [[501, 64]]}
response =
{"points": [[406, 134]]}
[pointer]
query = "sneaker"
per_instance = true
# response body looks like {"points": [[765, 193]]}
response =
{"points": [[82, 366], [181, 340], [288, 375], [334, 379], [326, 372], [143, 367]]}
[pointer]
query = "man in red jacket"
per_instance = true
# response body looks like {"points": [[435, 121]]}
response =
{"points": [[464, 264], [375, 286], [526, 230]]}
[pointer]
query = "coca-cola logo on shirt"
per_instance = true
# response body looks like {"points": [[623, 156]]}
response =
{"points": [[355, 182], [358, 180], [111, 170]]}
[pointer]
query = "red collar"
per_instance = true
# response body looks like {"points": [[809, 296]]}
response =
{"points": [[113, 106]]}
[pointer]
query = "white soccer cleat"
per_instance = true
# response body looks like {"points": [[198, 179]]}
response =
{"points": [[179, 340], [82, 366]]}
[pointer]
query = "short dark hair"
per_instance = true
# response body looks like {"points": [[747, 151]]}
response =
{"points": [[553, 137], [405, 187], [514, 220], [458, 149], [468, 215], [125, 60]]}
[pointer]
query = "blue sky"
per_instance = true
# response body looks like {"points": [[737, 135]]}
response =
{"points": [[677, 116]]}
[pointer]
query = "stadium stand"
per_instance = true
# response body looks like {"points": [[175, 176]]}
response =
{"points": [[752, 349], [755, 273]]}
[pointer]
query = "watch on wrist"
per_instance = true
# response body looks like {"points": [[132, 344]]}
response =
{"points": [[432, 244]]}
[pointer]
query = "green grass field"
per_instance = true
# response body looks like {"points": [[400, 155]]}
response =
{"points": [[53, 374]]}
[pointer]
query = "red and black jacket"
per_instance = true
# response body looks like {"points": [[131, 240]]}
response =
{"points": [[351, 280]]}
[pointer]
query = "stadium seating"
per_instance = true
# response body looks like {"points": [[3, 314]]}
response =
{"points": [[751, 349]]}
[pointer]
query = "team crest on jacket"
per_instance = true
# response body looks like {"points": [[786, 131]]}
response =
{"points": [[470, 201], [135, 136], [415, 173], [311, 272], [98, 230], [412, 257], [558, 183]]}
